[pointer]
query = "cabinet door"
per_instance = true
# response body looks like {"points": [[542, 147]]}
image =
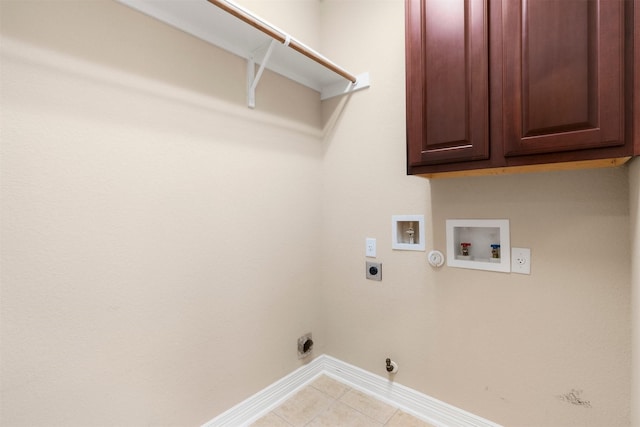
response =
{"points": [[447, 81], [562, 73]]}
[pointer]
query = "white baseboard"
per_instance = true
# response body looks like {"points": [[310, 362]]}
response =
{"points": [[420, 405]]}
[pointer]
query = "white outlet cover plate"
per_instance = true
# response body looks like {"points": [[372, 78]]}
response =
{"points": [[370, 247], [521, 260]]}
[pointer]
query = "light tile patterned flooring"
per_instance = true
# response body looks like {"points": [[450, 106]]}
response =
{"points": [[326, 402]]}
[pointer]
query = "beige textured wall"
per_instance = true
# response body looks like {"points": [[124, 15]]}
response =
{"points": [[508, 347], [158, 252], [634, 202], [158, 256]]}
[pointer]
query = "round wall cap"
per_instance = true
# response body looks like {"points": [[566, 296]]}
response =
{"points": [[436, 258]]}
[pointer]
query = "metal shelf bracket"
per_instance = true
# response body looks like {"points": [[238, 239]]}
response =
{"points": [[253, 77]]}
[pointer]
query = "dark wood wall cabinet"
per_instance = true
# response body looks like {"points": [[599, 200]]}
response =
{"points": [[498, 86]]}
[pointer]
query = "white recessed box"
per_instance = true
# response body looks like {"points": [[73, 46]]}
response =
{"points": [[407, 232], [473, 243]]}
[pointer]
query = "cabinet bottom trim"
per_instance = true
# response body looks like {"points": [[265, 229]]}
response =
{"points": [[583, 164]]}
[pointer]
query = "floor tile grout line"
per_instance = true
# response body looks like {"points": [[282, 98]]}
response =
{"points": [[346, 391], [325, 409], [369, 416], [391, 417], [285, 421], [333, 402], [395, 408]]}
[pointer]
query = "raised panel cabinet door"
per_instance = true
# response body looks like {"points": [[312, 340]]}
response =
{"points": [[563, 81], [447, 81]]}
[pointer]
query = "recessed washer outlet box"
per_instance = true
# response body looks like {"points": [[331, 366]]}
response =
{"points": [[479, 244], [407, 232]]}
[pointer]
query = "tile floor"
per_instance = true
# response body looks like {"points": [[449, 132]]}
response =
{"points": [[327, 402]]}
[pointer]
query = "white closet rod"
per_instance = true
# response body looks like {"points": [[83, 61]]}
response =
{"points": [[281, 36]]}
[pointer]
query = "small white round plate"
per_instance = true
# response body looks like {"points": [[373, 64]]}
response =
{"points": [[436, 258]]}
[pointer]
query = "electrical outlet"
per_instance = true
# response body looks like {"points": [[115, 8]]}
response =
{"points": [[374, 270], [521, 260], [370, 249]]}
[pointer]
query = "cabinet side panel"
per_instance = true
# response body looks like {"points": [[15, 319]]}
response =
{"points": [[414, 84], [634, 92]]}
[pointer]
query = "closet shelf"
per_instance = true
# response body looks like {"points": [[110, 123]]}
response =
{"points": [[235, 29]]}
